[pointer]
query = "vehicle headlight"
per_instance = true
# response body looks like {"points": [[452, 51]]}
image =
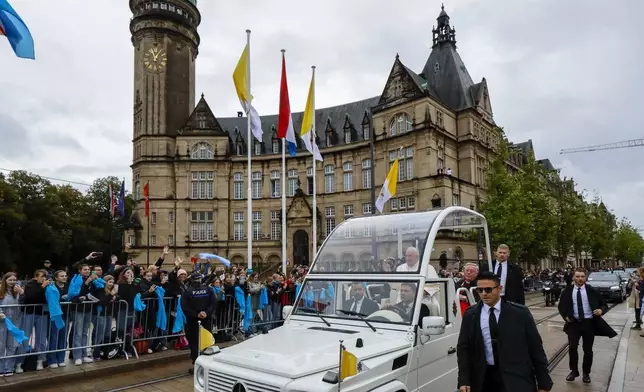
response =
{"points": [[199, 376], [615, 287]]}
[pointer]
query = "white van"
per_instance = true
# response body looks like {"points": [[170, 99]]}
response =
{"points": [[399, 329]]}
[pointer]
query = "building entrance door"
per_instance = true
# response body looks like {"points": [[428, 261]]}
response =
{"points": [[301, 248]]}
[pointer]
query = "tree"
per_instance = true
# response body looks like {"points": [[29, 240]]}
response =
{"points": [[629, 245], [601, 230]]}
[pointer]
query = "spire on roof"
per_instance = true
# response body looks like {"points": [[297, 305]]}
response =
{"points": [[443, 32]]}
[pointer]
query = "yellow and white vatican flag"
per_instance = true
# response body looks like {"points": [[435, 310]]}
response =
{"points": [[241, 77], [308, 123], [389, 187]]}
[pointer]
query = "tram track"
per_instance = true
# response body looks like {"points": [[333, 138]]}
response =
{"points": [[148, 383], [562, 351]]}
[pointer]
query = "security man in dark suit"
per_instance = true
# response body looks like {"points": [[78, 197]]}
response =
{"points": [[358, 302], [581, 306], [198, 303], [499, 348], [510, 276]]}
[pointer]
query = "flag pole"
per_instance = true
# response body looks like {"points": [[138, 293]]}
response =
{"points": [[249, 143], [283, 185], [340, 366], [315, 206], [148, 203]]}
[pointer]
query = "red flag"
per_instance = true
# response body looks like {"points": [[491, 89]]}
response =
{"points": [[146, 193], [112, 204]]}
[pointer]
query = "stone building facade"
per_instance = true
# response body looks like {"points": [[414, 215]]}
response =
{"points": [[439, 121]]}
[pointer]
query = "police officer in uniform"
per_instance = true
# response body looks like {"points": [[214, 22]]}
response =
{"points": [[198, 303]]}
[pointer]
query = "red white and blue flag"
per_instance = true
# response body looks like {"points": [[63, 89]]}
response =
{"points": [[285, 120], [16, 31]]}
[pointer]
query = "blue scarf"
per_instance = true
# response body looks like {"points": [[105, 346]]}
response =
{"points": [[220, 295], [17, 333], [308, 298], [298, 286], [161, 316], [99, 283], [75, 286], [180, 319], [245, 307], [263, 298], [52, 295], [331, 291], [139, 306]]}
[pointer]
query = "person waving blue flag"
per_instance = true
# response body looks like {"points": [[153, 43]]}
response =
{"points": [[16, 31]]}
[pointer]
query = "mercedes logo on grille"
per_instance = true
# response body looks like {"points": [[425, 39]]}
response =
{"points": [[239, 387]]}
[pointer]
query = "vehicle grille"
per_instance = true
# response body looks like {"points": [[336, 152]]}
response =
{"points": [[219, 382]]}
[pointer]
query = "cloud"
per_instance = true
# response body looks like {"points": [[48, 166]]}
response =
{"points": [[564, 74]]}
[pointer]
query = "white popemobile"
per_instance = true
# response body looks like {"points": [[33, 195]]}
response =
{"points": [[395, 336]]}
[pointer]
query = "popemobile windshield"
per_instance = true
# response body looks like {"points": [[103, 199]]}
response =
{"points": [[371, 315]]}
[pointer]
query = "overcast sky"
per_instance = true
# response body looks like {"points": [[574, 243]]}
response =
{"points": [[562, 73]]}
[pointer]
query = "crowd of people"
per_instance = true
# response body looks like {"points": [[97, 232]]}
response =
{"points": [[85, 313]]}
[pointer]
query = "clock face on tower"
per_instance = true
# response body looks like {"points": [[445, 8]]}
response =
{"points": [[155, 60]]}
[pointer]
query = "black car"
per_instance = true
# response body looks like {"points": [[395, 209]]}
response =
{"points": [[609, 285]]}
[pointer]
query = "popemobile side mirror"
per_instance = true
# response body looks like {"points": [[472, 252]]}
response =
{"points": [[433, 325], [286, 311]]}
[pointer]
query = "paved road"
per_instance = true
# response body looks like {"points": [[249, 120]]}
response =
{"points": [[549, 326]]}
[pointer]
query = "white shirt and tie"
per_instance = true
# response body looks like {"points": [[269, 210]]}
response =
{"points": [[430, 274], [588, 313], [357, 304], [504, 273], [485, 330]]}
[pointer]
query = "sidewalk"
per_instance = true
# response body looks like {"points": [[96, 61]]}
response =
{"points": [[634, 377]]}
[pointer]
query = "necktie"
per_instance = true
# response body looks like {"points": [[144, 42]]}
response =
{"points": [[494, 333], [499, 270], [580, 305]]}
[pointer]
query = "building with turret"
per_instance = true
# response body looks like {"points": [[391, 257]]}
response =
{"points": [[439, 122]]}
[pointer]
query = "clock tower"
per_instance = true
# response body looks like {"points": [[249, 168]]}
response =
{"points": [[166, 42]]}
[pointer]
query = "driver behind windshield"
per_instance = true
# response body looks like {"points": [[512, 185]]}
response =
{"points": [[406, 305], [358, 302]]}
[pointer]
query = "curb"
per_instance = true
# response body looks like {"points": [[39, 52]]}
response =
{"points": [[619, 366], [73, 373]]}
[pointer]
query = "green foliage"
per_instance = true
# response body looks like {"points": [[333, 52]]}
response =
{"points": [[40, 220], [540, 215]]}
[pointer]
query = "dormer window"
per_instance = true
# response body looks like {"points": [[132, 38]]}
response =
{"points": [[276, 146], [240, 149], [328, 139], [201, 121], [258, 148], [347, 136], [202, 150]]}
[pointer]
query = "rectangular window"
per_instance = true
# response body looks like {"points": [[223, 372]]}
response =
{"points": [[171, 217], [439, 118], [329, 179], [480, 171], [309, 178], [456, 200], [257, 185], [153, 240], [292, 182], [258, 148], [238, 226], [366, 209], [153, 218], [275, 184], [348, 176], [170, 240], [201, 225], [238, 186], [257, 225], [276, 146], [276, 226], [440, 156], [130, 240], [329, 214], [203, 185], [366, 174], [348, 213]]}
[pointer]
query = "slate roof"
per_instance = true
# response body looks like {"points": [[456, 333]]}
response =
{"points": [[335, 116], [547, 164]]}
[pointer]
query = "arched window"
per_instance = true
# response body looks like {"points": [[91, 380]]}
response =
{"points": [[137, 190], [202, 150], [400, 124]]}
